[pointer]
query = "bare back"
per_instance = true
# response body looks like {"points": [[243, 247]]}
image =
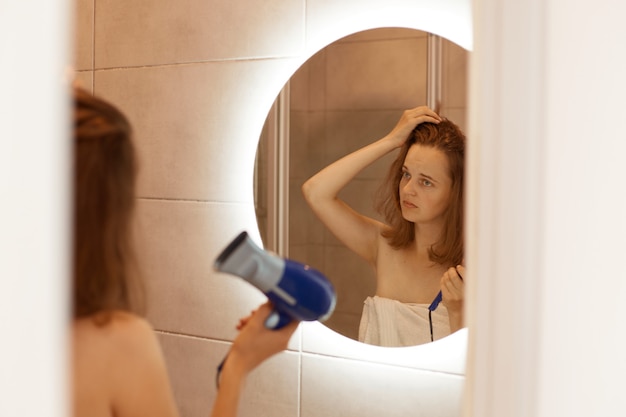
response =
{"points": [[118, 369]]}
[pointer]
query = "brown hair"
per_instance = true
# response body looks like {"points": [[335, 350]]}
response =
{"points": [[448, 138], [105, 276]]}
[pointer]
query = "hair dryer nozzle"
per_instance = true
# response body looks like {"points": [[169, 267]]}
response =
{"points": [[242, 257], [297, 291]]}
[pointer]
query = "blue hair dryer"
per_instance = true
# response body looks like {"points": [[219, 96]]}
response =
{"points": [[297, 291]]}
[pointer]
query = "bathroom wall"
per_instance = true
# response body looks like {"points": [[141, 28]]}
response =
{"points": [[346, 96], [197, 79]]}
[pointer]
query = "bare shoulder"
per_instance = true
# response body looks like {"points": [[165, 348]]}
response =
{"points": [[124, 340], [120, 329], [128, 328], [131, 340]]}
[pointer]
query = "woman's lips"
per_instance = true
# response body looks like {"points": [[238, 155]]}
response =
{"points": [[408, 204]]}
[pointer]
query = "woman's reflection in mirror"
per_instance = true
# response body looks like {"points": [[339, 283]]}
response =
{"points": [[418, 252]]}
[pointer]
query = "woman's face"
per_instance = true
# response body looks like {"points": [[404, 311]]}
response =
{"points": [[425, 186]]}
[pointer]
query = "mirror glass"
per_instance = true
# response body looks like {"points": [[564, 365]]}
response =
{"points": [[344, 97]]}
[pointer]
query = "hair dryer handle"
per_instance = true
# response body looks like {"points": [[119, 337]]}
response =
{"points": [[277, 320]]}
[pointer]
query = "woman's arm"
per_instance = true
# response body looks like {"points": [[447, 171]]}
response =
{"points": [[254, 344], [357, 232]]}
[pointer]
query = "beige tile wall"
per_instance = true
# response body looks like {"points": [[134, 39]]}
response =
{"points": [[197, 79]]}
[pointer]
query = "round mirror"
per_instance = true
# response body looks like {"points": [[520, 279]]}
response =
{"points": [[344, 97]]}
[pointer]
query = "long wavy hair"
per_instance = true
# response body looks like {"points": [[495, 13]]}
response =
{"points": [[448, 138], [105, 273]]}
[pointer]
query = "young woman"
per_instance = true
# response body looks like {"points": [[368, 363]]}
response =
{"points": [[118, 368], [419, 251]]}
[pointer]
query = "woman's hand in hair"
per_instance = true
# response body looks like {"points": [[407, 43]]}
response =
{"points": [[409, 120]]}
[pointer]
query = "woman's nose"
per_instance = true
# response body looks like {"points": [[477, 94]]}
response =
{"points": [[409, 187]]}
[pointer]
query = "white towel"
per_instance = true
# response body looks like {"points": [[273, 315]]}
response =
{"points": [[391, 323]]}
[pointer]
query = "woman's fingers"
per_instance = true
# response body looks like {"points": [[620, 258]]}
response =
{"points": [[424, 113], [452, 283], [409, 120], [244, 320], [255, 342], [413, 117], [460, 270]]}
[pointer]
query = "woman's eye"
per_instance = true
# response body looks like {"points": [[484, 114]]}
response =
{"points": [[427, 183], [406, 175]]}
